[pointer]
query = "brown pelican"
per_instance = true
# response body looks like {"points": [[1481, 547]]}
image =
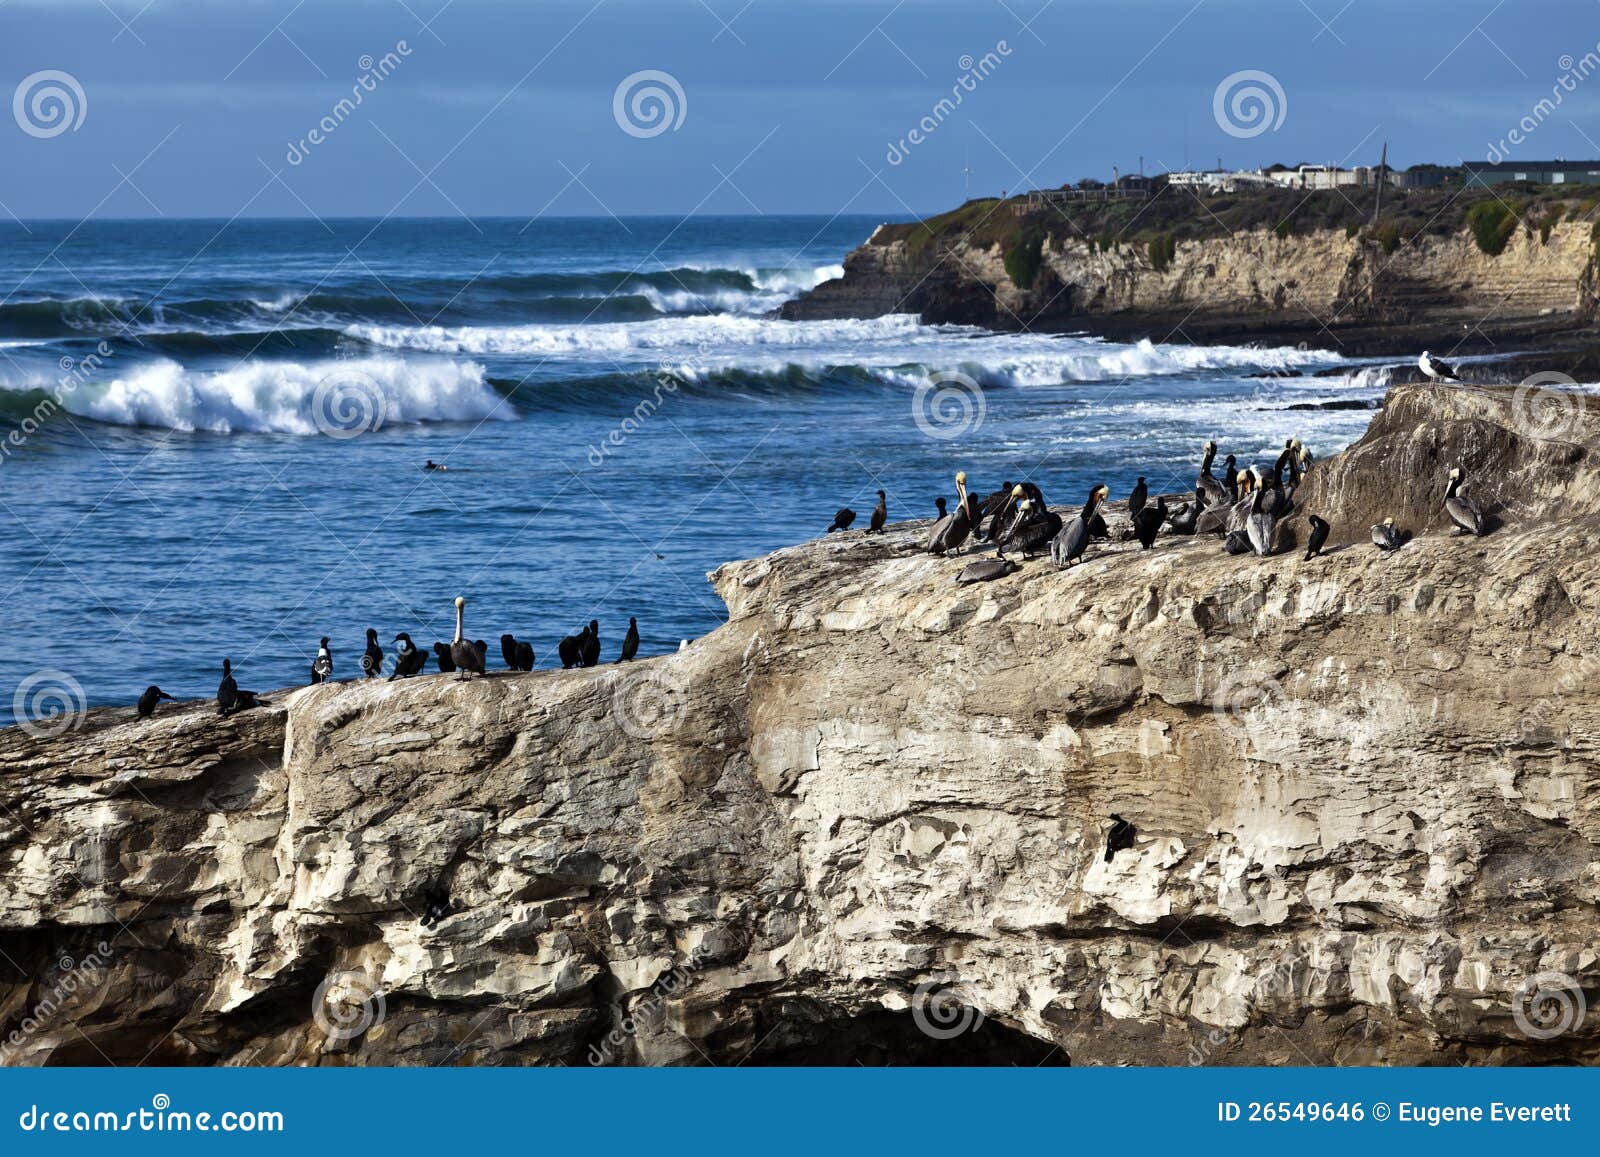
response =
{"points": [[1385, 537], [1463, 511], [1010, 516], [1319, 536], [991, 511], [1031, 530], [1187, 516], [466, 656], [985, 570], [880, 514], [1249, 482], [952, 530], [1275, 500], [1069, 545], [1261, 526]]}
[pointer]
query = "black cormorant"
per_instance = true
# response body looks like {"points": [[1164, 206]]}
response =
{"points": [[1137, 499], [230, 698], [630, 642], [1319, 536], [843, 519], [147, 702], [1120, 837], [880, 514], [591, 644], [409, 660], [372, 657]]}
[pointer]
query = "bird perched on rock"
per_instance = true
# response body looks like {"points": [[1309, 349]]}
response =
{"points": [[843, 519], [322, 665], [147, 702], [591, 644], [986, 570], [1137, 499], [1319, 537], [939, 505], [518, 655], [1436, 370], [467, 655], [1147, 522], [230, 698], [630, 642], [1463, 511], [1119, 837], [372, 657], [1385, 537], [447, 663], [409, 660], [570, 649], [1068, 546], [880, 514]]}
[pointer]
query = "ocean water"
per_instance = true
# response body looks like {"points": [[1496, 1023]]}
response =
{"points": [[212, 435]]}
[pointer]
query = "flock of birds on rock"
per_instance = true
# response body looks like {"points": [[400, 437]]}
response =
{"points": [[1246, 507], [461, 657]]}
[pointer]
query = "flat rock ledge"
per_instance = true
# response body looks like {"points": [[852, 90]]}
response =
{"points": [[866, 819]]}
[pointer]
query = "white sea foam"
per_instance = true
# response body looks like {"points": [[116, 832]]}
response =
{"points": [[897, 348], [279, 397]]}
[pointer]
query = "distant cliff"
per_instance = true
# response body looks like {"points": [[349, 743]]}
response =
{"points": [[1211, 271], [865, 820]]}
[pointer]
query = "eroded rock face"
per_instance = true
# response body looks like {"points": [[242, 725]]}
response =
{"points": [[1321, 286], [866, 819]]}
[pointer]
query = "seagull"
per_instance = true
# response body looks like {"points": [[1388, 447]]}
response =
{"points": [[1435, 369]]}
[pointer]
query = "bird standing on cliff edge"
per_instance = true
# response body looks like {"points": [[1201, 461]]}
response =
{"points": [[1436, 370]]}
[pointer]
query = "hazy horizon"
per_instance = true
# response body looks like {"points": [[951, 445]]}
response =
{"points": [[480, 108]]}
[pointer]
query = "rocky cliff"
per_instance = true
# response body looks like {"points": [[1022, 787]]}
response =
{"points": [[867, 818], [1346, 289]]}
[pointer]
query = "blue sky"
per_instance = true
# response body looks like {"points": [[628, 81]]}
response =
{"points": [[507, 108]]}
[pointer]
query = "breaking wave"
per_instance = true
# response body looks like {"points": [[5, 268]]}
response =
{"points": [[279, 397]]}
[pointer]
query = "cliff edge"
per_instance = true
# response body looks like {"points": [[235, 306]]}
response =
{"points": [[866, 820]]}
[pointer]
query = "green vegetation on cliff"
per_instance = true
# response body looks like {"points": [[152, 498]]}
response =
{"points": [[1173, 216]]}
